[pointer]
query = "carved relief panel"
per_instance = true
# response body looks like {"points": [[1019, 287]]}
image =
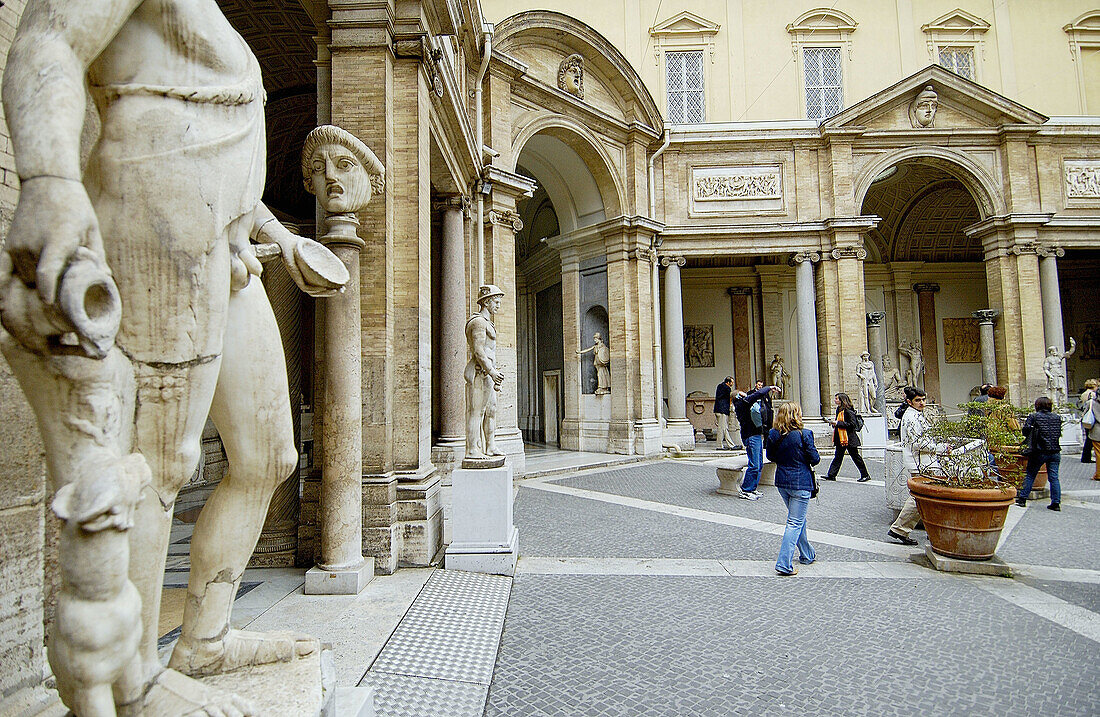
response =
{"points": [[736, 189]]}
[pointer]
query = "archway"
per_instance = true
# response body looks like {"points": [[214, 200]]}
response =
{"points": [[925, 273]]}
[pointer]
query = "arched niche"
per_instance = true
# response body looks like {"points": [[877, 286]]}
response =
{"points": [[594, 321]]}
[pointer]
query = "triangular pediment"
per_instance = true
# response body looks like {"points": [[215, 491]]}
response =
{"points": [[957, 21], [962, 103], [685, 23]]}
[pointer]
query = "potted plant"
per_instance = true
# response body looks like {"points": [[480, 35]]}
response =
{"points": [[962, 502], [998, 423]]}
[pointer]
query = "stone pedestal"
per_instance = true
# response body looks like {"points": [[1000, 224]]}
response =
{"points": [[1073, 436], [873, 437], [339, 581], [484, 535], [896, 477]]}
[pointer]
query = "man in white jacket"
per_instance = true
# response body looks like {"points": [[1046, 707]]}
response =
{"points": [[911, 432]]}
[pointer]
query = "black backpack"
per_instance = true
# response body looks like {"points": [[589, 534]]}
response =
{"points": [[858, 421]]}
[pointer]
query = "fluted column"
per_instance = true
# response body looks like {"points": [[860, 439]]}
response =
{"points": [[1052, 300], [452, 335], [675, 382], [876, 345], [809, 379], [985, 318]]}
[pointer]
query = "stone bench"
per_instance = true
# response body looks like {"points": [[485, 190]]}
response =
{"points": [[732, 470]]}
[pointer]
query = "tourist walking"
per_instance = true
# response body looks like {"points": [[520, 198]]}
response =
{"points": [[1042, 431], [846, 427], [791, 449], [1094, 432], [911, 432], [754, 413], [722, 414], [1086, 397]]}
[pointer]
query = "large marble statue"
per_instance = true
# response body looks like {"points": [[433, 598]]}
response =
{"points": [[601, 360], [126, 291], [868, 383], [893, 387], [913, 352], [483, 378], [780, 376], [1056, 372]]}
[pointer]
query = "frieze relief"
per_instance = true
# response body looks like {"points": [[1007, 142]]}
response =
{"points": [[737, 189], [1082, 179], [737, 186]]}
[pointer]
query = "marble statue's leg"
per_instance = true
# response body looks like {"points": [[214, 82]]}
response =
{"points": [[477, 399], [251, 410], [490, 425]]}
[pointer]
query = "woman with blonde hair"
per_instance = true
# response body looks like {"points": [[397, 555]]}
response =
{"points": [[791, 449], [1086, 398]]}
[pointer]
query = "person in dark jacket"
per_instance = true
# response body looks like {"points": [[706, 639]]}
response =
{"points": [[846, 438], [753, 429], [722, 414], [791, 448], [1043, 430]]}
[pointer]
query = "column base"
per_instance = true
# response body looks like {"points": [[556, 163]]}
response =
{"points": [[678, 434], [349, 581]]}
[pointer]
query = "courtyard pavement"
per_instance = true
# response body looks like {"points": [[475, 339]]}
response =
{"points": [[641, 591]]}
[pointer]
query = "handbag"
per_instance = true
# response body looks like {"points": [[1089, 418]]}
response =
{"points": [[813, 473], [1029, 446], [1088, 418]]}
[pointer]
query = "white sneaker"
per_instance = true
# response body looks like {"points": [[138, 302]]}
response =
{"points": [[747, 495]]}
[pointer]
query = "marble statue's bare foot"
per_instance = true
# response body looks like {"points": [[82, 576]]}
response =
{"points": [[174, 694], [240, 649], [494, 451]]}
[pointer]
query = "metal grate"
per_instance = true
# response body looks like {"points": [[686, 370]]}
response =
{"points": [[684, 81], [824, 86], [959, 60]]}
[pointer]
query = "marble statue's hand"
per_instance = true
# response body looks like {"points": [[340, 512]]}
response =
{"points": [[298, 251], [497, 376], [243, 264]]}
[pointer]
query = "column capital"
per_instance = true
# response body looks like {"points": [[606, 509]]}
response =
{"points": [[452, 202], [1023, 248], [667, 260], [986, 316], [848, 252], [1046, 250], [803, 256], [739, 291], [874, 318], [505, 219], [928, 286], [643, 254]]}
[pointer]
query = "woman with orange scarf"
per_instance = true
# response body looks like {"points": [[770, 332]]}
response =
{"points": [[846, 438]]}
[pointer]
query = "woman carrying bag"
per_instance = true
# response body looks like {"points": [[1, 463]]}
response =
{"points": [[846, 428], [791, 448], [1042, 430]]}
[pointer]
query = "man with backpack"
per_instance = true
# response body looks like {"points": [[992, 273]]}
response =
{"points": [[754, 413]]}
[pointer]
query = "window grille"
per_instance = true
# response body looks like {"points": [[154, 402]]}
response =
{"points": [[824, 89], [959, 60], [684, 72]]}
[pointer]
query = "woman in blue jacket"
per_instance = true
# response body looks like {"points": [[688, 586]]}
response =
{"points": [[791, 449]]}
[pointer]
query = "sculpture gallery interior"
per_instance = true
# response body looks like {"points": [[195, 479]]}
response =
{"points": [[303, 284]]}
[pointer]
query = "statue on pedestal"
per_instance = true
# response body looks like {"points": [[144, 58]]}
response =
{"points": [[1056, 372], [780, 376], [913, 351], [483, 382], [868, 383], [126, 290], [893, 387], [601, 361]]}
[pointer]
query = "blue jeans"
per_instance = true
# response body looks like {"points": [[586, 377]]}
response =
{"points": [[754, 445], [795, 534], [1034, 462]]}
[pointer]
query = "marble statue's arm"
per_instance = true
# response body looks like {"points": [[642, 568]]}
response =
{"points": [[44, 100], [478, 341], [590, 348], [1072, 348], [266, 229]]}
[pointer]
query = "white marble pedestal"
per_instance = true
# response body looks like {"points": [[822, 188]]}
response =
{"points": [[347, 581], [897, 477], [484, 538], [873, 436]]}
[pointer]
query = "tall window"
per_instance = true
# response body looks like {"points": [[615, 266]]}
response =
{"points": [[684, 72], [824, 90], [959, 60]]}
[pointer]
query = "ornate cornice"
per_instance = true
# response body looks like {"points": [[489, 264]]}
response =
{"points": [[670, 260], [875, 318], [803, 256], [986, 316]]}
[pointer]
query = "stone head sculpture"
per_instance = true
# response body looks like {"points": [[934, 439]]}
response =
{"points": [[922, 113], [886, 362], [340, 170], [489, 297], [571, 75]]}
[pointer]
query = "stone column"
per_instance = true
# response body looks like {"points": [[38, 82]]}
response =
{"points": [[452, 336], [929, 342], [341, 569], [1052, 300], [675, 379], [740, 308], [985, 318], [809, 379], [876, 345]]}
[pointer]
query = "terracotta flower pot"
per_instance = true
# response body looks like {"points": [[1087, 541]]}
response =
{"points": [[1013, 467], [961, 522]]}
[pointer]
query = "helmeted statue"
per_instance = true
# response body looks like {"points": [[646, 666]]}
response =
{"points": [[483, 378]]}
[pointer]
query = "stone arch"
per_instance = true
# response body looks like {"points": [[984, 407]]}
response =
{"points": [[591, 152], [976, 178]]}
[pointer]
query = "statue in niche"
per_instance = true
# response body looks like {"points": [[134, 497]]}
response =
{"points": [[781, 377], [893, 387], [913, 352], [601, 361], [571, 75], [868, 383], [126, 290], [922, 113], [483, 380], [1056, 372]]}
